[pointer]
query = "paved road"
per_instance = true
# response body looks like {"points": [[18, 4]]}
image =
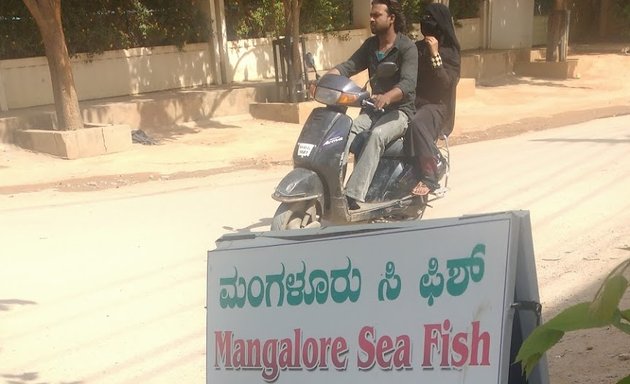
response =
{"points": [[109, 286]]}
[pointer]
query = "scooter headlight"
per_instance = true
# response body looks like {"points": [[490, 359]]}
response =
{"points": [[348, 99], [333, 97], [327, 96]]}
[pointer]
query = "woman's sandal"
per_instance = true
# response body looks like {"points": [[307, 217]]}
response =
{"points": [[421, 189]]}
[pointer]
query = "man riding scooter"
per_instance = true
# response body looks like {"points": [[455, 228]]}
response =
{"points": [[393, 97], [313, 192]]}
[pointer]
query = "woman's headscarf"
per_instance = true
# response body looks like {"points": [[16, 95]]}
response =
{"points": [[440, 25]]}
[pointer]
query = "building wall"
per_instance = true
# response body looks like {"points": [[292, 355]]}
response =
{"points": [[539, 33], [511, 23], [26, 82], [468, 32], [252, 59]]}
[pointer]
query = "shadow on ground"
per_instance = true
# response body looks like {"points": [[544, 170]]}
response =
{"points": [[5, 304], [29, 378], [175, 131], [264, 222]]}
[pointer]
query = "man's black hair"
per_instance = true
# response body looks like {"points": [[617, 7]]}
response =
{"points": [[394, 8]]}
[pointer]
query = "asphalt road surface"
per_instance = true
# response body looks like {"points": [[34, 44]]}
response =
{"points": [[109, 286]]}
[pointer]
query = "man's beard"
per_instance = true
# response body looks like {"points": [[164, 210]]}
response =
{"points": [[376, 30]]}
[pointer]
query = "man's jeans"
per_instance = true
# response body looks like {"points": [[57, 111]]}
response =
{"points": [[385, 128]]}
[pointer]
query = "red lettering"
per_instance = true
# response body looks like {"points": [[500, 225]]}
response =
{"points": [[446, 329], [402, 356], [366, 347], [460, 348], [223, 348], [270, 372], [297, 336], [253, 353], [238, 357], [383, 351], [339, 349], [431, 342], [271, 356], [384, 347], [324, 349], [286, 353], [310, 354], [478, 338]]}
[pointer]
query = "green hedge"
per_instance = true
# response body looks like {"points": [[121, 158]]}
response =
{"points": [[262, 18], [98, 25]]}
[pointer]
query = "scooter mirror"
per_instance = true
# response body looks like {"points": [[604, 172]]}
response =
{"points": [[309, 60], [383, 70], [386, 69]]}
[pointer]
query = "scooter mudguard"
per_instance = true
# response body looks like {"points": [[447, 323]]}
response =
{"points": [[299, 185]]}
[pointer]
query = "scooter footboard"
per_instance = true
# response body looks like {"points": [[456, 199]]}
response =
{"points": [[299, 185]]}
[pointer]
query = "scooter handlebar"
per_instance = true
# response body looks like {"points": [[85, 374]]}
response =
{"points": [[368, 103]]}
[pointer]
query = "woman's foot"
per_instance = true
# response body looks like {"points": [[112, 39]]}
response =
{"points": [[421, 189]]}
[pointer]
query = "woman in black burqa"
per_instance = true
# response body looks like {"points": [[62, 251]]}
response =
{"points": [[438, 74]]}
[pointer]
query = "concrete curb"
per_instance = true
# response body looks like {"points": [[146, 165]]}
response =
{"points": [[86, 142]]}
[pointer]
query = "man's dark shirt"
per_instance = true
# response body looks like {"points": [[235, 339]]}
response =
{"points": [[404, 54]]}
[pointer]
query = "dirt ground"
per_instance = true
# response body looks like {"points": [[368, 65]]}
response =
{"points": [[595, 356], [599, 355]]}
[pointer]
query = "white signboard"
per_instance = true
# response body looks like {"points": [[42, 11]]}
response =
{"points": [[404, 303]]}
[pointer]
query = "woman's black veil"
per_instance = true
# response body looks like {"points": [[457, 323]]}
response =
{"points": [[449, 49]]}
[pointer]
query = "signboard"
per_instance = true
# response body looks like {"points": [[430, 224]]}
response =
{"points": [[428, 301]]}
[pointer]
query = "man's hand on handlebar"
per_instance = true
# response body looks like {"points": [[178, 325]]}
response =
{"points": [[381, 101]]}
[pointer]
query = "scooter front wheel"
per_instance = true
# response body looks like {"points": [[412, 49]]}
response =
{"points": [[301, 214]]}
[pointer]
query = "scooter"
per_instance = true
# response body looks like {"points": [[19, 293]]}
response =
{"points": [[312, 193]]}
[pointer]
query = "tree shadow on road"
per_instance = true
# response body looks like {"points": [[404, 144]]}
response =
{"points": [[30, 377], [6, 303], [525, 80], [597, 141], [264, 222], [175, 131]]}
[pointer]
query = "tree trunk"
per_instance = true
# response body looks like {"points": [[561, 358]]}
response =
{"points": [[556, 28], [47, 15], [603, 17], [292, 33], [295, 37]]}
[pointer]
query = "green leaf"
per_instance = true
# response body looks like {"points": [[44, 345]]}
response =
{"points": [[535, 345], [548, 334], [602, 311], [607, 300], [576, 317], [621, 323]]}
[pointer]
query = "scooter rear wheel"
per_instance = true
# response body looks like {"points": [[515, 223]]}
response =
{"points": [[302, 214]]}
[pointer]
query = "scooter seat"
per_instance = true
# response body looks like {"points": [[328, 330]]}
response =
{"points": [[395, 149], [392, 150]]}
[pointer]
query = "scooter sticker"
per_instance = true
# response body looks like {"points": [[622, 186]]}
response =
{"points": [[304, 150], [333, 140]]}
